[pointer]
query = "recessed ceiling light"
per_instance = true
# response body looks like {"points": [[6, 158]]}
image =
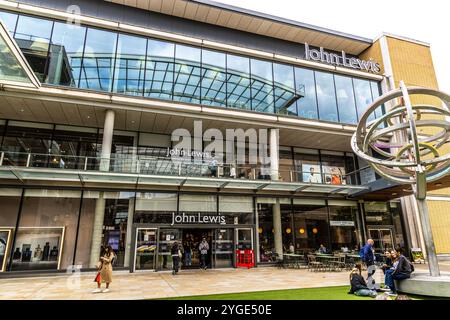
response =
{"points": [[394, 193], [21, 110], [133, 122], [88, 117]]}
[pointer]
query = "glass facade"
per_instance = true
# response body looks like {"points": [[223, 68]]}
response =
{"points": [[90, 58], [70, 147], [60, 228]]}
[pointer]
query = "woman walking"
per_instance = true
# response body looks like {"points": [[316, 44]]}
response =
{"points": [[105, 266]]}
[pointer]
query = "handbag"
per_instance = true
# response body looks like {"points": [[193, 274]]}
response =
{"points": [[179, 253], [97, 278]]}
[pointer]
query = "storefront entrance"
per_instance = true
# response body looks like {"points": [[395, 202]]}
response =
{"points": [[382, 237], [153, 244], [191, 239]]}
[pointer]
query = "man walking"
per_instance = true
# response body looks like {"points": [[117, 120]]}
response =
{"points": [[175, 252], [367, 253], [203, 248]]}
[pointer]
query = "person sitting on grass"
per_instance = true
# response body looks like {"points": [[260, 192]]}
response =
{"points": [[358, 284], [400, 270]]}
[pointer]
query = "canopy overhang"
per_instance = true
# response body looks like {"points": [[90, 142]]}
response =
{"points": [[76, 178]]}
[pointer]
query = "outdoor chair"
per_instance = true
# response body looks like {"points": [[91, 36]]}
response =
{"points": [[279, 261], [313, 264], [339, 263]]}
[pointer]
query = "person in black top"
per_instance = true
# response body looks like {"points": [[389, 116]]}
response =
{"points": [[358, 285], [187, 253], [401, 269], [174, 251], [387, 261]]}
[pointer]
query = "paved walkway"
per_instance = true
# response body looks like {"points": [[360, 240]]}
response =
{"points": [[148, 285]]}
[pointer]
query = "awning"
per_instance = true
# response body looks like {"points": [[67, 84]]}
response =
{"points": [[32, 176]]}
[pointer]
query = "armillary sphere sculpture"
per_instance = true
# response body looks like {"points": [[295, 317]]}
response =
{"points": [[405, 155]]}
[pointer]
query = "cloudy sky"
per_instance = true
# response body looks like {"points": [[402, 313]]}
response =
{"points": [[426, 21]]}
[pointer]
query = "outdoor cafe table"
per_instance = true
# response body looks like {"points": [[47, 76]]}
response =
{"points": [[292, 258], [327, 259]]}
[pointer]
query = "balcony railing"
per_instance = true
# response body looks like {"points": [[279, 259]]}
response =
{"points": [[163, 166]]}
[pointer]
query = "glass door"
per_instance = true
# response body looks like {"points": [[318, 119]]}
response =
{"points": [[382, 238], [166, 239], [244, 239], [145, 256], [223, 248]]}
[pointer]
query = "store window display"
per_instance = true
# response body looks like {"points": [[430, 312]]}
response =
{"points": [[47, 230], [104, 221]]}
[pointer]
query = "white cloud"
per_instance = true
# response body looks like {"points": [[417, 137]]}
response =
{"points": [[426, 21]]}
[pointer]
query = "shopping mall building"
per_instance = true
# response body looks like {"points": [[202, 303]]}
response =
{"points": [[91, 93]]}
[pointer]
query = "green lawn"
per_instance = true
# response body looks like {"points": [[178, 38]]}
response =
{"points": [[323, 293]]}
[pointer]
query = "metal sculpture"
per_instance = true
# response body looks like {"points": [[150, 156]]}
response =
{"points": [[405, 155]]}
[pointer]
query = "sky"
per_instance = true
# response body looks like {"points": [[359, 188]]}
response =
{"points": [[427, 21]]}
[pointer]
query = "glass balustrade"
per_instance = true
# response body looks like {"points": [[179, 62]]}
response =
{"points": [[162, 166]]}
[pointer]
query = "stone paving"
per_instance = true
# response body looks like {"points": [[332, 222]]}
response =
{"points": [[148, 285]]}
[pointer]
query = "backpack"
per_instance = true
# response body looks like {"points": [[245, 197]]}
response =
{"points": [[361, 253]]}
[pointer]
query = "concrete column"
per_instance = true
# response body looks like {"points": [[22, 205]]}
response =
{"points": [[108, 129], [277, 232], [129, 233], [258, 253], [274, 154], [97, 231]]}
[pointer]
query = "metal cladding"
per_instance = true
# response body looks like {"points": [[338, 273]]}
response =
{"points": [[409, 157]]}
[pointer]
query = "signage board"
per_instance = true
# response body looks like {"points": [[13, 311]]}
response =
{"points": [[341, 60], [342, 223]]}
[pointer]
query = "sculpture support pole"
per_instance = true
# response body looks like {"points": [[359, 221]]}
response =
{"points": [[428, 237]]}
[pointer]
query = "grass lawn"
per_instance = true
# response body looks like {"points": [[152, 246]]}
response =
{"points": [[325, 293]]}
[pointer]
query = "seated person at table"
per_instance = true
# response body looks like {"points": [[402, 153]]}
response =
{"points": [[322, 249], [400, 270], [358, 284], [291, 248], [387, 261]]}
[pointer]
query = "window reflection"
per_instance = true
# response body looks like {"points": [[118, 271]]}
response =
{"points": [[98, 61], [187, 74], [197, 76], [326, 96], [346, 99], [284, 86], [343, 225], [307, 165], [33, 37], [66, 51], [376, 93], [9, 20], [130, 64], [238, 82], [262, 86], [159, 69], [363, 95], [213, 78], [310, 225], [307, 106]]}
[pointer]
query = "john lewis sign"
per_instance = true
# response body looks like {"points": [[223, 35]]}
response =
{"points": [[197, 219], [341, 60]]}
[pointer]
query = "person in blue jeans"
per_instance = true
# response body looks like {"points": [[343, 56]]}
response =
{"points": [[358, 285], [187, 253], [400, 270]]}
